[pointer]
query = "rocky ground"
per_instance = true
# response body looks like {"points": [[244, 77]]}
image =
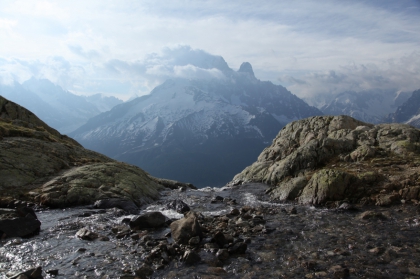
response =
{"points": [[233, 233]]}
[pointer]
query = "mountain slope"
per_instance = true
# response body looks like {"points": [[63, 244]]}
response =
{"points": [[38, 164], [197, 130], [57, 107], [370, 106], [408, 112]]}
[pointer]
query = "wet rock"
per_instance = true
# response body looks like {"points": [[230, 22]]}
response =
{"points": [[339, 272], [217, 199], [186, 228], [144, 271], [222, 254], [34, 273], [21, 222], [86, 234], [52, 272], [367, 215], [191, 257], [387, 199], [148, 220], [220, 239], [238, 248], [126, 205], [235, 212], [194, 240], [347, 206], [178, 205]]}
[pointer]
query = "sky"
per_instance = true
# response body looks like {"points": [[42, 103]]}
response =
{"points": [[125, 48]]}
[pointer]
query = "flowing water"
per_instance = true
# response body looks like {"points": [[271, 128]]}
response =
{"points": [[295, 242]]}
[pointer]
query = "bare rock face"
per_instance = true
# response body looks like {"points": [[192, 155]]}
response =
{"points": [[334, 158], [41, 165]]}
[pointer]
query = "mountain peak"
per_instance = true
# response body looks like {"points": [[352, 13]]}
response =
{"points": [[246, 68]]}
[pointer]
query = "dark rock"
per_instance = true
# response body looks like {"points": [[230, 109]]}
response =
{"points": [[191, 257], [371, 215], [13, 226], [238, 248], [194, 240], [144, 271], [178, 205], [222, 254], [126, 205], [220, 239], [148, 220], [53, 272], [33, 273], [186, 228]]}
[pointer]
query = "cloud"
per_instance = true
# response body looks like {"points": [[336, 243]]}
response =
{"points": [[180, 61], [137, 43], [395, 74]]}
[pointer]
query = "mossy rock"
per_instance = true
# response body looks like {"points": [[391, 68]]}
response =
{"points": [[328, 185]]}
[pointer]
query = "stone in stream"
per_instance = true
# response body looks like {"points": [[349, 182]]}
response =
{"points": [[21, 222], [86, 234], [126, 205], [33, 273], [178, 205], [147, 220], [238, 248], [191, 257], [184, 229]]}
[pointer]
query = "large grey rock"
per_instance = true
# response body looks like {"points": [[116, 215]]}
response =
{"points": [[330, 158], [184, 229]]}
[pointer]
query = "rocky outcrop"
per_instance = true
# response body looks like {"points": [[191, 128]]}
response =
{"points": [[333, 158], [39, 164]]}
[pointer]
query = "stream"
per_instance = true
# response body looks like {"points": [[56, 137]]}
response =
{"points": [[295, 241]]}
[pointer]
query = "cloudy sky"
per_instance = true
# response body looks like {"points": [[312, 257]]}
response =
{"points": [[126, 48]]}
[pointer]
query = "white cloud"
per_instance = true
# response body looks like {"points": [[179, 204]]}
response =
{"points": [[394, 74]]}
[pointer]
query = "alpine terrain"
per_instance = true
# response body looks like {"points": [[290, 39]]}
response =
{"points": [[201, 130], [408, 112], [371, 106]]}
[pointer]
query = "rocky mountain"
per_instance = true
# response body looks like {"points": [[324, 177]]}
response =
{"points": [[408, 112], [57, 107], [39, 164], [338, 158], [369, 106], [200, 130]]}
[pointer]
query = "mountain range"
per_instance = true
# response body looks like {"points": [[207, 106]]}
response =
{"points": [[201, 130], [57, 107], [372, 106], [408, 112]]}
